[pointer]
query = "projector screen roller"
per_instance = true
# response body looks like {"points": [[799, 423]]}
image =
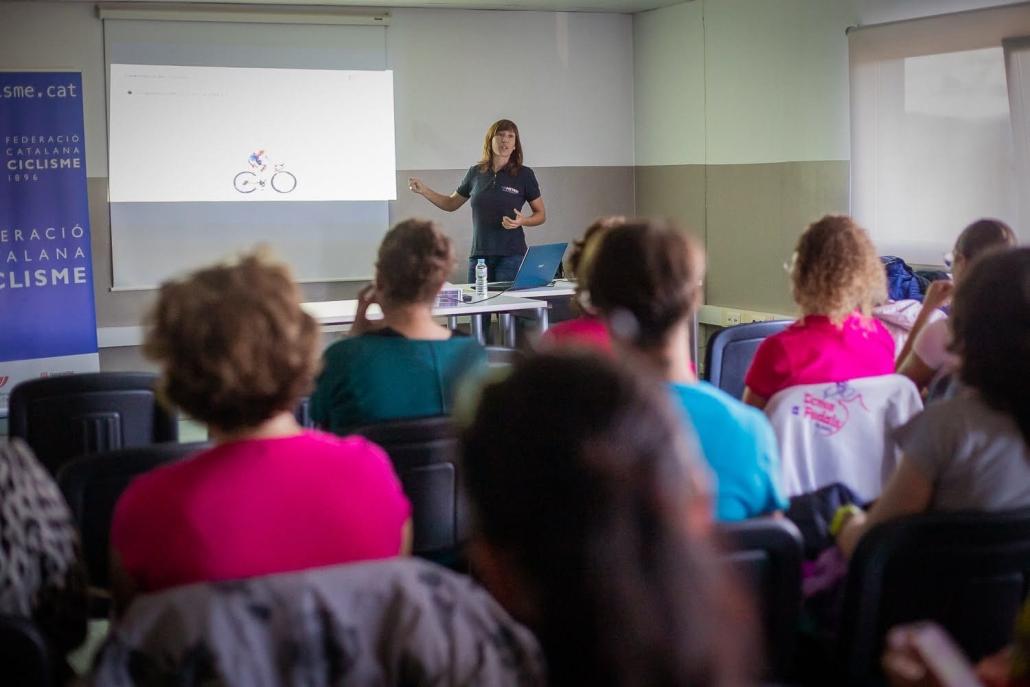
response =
{"points": [[244, 135]]}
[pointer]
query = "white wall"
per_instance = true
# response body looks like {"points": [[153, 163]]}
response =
{"points": [[565, 78], [738, 81], [669, 85]]}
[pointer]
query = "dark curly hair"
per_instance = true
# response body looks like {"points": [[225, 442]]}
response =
{"points": [[415, 259], [578, 471], [651, 271], [990, 320], [234, 345], [836, 270]]}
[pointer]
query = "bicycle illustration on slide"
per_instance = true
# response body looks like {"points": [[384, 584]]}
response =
{"points": [[260, 176]]}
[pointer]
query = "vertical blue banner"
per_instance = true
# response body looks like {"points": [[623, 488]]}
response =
{"points": [[47, 315]]}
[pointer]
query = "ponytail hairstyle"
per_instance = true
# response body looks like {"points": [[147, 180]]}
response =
{"points": [[990, 322], [578, 472]]}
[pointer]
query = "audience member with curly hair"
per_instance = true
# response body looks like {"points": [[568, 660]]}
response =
{"points": [[404, 365], [590, 528], [837, 278], [645, 281], [237, 352]]}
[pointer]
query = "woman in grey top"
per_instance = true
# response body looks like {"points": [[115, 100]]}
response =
{"points": [[971, 452]]}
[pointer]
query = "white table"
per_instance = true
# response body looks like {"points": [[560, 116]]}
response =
{"points": [[343, 312], [557, 288]]}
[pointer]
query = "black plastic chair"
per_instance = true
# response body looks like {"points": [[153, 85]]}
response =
{"points": [[74, 415], [92, 484], [424, 454], [25, 658], [767, 553], [730, 351], [499, 356], [968, 572]]}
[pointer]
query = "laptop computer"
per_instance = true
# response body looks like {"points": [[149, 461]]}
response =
{"points": [[537, 269]]}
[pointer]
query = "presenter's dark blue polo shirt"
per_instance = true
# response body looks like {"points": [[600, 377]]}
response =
{"points": [[494, 196]]}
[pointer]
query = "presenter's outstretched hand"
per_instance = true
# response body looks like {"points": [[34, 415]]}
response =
{"points": [[509, 223], [415, 185], [366, 297]]}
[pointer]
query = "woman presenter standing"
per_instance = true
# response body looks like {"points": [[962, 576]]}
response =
{"points": [[499, 186]]}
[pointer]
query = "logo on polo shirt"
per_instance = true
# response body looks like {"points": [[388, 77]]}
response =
{"points": [[830, 414], [510, 189]]}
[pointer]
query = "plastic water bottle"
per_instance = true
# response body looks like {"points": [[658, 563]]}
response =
{"points": [[481, 277]]}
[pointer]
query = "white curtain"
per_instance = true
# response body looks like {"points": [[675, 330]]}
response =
{"points": [[934, 139]]}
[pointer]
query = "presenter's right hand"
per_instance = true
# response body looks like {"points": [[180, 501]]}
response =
{"points": [[366, 297], [415, 185]]}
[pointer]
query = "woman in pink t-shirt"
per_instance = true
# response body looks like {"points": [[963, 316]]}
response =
{"points": [[837, 278], [588, 330], [237, 352]]}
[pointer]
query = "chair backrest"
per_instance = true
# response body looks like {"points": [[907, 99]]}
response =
{"points": [[399, 621], [25, 659], [424, 454], [74, 415], [498, 356], [730, 351], [767, 553], [968, 572], [92, 484], [841, 432]]}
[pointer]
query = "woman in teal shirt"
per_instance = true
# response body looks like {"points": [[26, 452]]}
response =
{"points": [[406, 365]]}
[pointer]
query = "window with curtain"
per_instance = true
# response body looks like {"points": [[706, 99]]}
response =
{"points": [[938, 128]]}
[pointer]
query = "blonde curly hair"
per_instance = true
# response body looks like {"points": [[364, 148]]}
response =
{"points": [[836, 270]]}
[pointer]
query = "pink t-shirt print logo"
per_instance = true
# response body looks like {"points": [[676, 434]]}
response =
{"points": [[831, 411]]}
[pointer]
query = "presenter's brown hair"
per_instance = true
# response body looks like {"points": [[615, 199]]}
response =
{"points": [[415, 259], [233, 343], [515, 161]]}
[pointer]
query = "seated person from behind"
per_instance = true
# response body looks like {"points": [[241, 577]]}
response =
{"points": [[926, 354], [588, 329], [590, 527], [42, 576], [237, 352], [837, 279], [645, 281], [970, 452], [405, 365]]}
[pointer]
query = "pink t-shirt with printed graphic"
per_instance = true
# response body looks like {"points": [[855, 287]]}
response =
{"points": [[813, 350], [261, 506]]}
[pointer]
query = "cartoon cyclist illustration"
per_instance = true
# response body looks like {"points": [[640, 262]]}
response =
{"points": [[256, 178]]}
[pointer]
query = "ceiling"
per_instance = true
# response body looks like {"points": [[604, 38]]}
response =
{"points": [[620, 6]]}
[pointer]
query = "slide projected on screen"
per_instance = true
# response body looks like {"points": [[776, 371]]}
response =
{"points": [[189, 134]]}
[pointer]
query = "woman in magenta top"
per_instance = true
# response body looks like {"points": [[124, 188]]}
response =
{"points": [[588, 330], [837, 278], [237, 352]]}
